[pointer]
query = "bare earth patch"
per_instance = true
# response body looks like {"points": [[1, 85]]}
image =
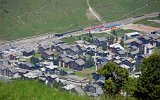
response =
{"points": [[89, 15], [143, 28]]}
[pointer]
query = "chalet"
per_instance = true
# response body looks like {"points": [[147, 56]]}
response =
{"points": [[12, 56], [51, 78], [62, 48], [27, 66], [33, 74], [148, 49], [8, 71], [133, 54], [1, 55], [66, 62], [122, 53], [22, 71], [131, 35], [47, 54], [100, 41], [73, 50], [93, 90], [28, 52], [43, 48], [57, 41], [78, 64]]}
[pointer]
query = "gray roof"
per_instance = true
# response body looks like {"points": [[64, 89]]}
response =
{"points": [[80, 62], [64, 46], [149, 46], [49, 52], [74, 48], [67, 60], [28, 50], [63, 55], [45, 47], [122, 51], [57, 41], [8, 67], [102, 39], [22, 70]]}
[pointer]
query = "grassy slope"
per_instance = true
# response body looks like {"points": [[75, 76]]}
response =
{"points": [[40, 16], [149, 23], [23, 18], [34, 90], [115, 9]]}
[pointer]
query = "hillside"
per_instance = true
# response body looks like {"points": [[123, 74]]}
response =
{"points": [[25, 18], [34, 90]]}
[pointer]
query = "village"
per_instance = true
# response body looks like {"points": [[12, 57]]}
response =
{"points": [[57, 62]]}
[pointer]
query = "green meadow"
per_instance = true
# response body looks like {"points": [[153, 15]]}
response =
{"points": [[26, 18]]}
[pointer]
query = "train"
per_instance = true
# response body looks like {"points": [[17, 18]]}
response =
{"points": [[62, 34]]}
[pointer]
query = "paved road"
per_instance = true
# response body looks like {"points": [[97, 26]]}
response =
{"points": [[33, 42]]}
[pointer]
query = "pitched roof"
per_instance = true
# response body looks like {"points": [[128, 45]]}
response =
{"points": [[80, 62], [149, 46], [67, 60], [102, 39]]}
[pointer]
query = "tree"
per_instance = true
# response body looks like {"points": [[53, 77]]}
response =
{"points": [[148, 86], [130, 86], [115, 76]]}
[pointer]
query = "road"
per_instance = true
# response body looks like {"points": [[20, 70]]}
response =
{"points": [[33, 42]]}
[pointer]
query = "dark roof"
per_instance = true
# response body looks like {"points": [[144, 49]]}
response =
{"points": [[64, 46], [28, 64]]}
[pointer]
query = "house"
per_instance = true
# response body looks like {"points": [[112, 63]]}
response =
{"points": [[93, 90], [51, 78], [33, 74], [43, 48], [28, 52], [122, 53], [78, 64], [8, 71], [131, 35], [66, 62], [73, 50], [22, 71], [101, 61], [69, 87], [62, 48], [13, 56], [27, 66], [1, 55], [148, 49], [57, 41], [47, 54], [133, 54], [100, 41]]}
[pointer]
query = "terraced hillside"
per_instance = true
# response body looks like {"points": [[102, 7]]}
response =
{"points": [[24, 18]]}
